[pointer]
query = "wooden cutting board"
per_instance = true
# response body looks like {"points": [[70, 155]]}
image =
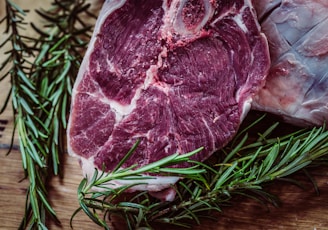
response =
{"points": [[299, 208]]}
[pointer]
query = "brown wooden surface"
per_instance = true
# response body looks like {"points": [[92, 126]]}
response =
{"points": [[299, 208]]}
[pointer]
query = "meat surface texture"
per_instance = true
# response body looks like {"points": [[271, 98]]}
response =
{"points": [[175, 75], [297, 32]]}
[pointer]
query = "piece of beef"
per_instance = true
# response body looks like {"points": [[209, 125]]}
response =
{"points": [[176, 75], [297, 86]]}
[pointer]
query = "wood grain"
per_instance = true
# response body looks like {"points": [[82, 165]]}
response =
{"points": [[299, 208]]}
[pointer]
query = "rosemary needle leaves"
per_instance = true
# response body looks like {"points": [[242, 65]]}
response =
{"points": [[41, 71], [246, 167]]}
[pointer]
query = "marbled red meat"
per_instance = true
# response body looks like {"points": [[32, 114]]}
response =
{"points": [[175, 75]]}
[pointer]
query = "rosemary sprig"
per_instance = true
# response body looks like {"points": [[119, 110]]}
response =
{"points": [[246, 167], [41, 72]]}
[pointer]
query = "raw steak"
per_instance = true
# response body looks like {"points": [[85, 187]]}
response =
{"points": [[297, 86], [176, 75]]}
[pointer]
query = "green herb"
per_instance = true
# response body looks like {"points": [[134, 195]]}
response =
{"points": [[246, 167], [41, 71]]}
